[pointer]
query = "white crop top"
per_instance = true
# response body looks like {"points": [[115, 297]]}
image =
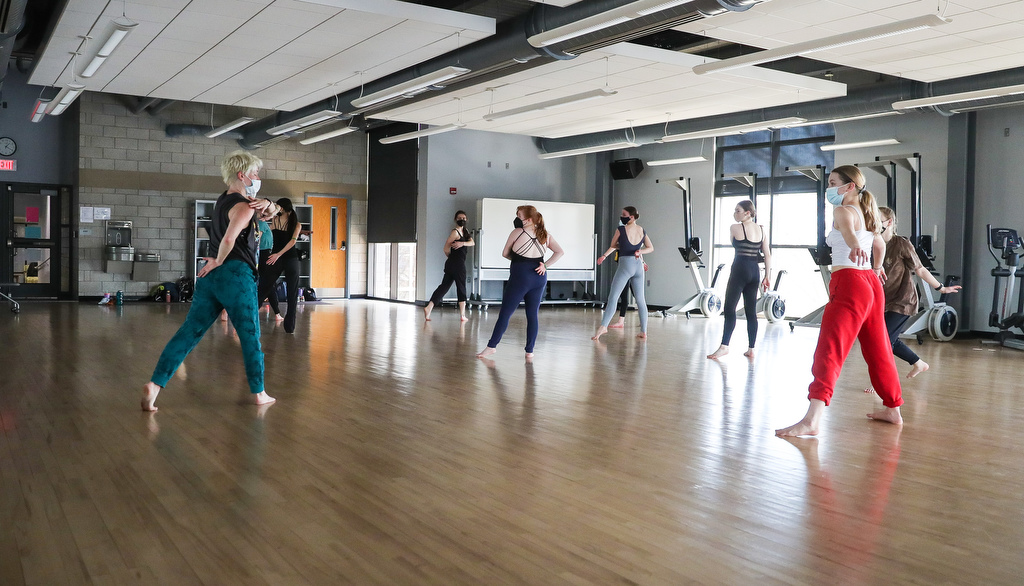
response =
{"points": [[841, 251]]}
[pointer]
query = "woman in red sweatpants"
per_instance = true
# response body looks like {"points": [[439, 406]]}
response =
{"points": [[856, 306]]}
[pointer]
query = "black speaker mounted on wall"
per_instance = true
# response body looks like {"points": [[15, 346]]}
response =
{"points": [[626, 168]]}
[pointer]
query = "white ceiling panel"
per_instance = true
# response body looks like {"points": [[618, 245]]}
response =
{"points": [[984, 22], [672, 88], [261, 52]]}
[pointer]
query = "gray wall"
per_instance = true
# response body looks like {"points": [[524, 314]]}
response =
{"points": [[47, 150], [998, 198], [460, 159]]}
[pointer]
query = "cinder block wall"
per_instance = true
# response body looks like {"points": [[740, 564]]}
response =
{"points": [[129, 164]]}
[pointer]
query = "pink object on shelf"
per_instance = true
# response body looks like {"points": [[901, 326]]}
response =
{"points": [[31, 214]]}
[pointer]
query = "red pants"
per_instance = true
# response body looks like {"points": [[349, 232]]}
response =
{"points": [[855, 310]]}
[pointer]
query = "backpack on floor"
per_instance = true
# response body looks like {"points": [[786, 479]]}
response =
{"points": [[309, 294], [282, 291]]}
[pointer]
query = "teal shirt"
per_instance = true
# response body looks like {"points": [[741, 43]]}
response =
{"points": [[266, 237]]}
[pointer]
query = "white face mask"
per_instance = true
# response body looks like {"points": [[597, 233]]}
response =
{"points": [[252, 190]]}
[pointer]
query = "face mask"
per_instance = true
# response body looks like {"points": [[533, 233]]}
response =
{"points": [[460, 223], [518, 222], [624, 219], [833, 197], [252, 190]]}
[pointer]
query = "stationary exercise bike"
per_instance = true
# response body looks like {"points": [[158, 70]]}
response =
{"points": [[706, 299], [1008, 242], [935, 317]]}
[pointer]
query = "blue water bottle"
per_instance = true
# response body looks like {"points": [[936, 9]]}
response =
{"points": [[120, 297]]}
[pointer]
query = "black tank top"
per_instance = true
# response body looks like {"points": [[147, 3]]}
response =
{"points": [[627, 248], [745, 249], [281, 239], [458, 255], [247, 245], [519, 249]]}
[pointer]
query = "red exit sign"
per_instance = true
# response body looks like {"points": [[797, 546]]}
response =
{"points": [[8, 164]]}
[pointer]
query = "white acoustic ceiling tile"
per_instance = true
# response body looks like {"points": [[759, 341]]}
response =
{"points": [[995, 34], [180, 46], [918, 63], [815, 12], [196, 27], [238, 8], [905, 10], [976, 54], [946, 72], [997, 63], [765, 24], [970, 21], [267, 31]]}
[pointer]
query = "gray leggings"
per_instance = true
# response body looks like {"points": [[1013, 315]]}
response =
{"points": [[631, 270]]}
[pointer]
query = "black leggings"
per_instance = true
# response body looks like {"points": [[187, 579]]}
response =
{"points": [[744, 278], [457, 275], [289, 265], [895, 323]]}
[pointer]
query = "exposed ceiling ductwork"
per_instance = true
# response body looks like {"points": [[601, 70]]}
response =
{"points": [[506, 52], [12, 19]]}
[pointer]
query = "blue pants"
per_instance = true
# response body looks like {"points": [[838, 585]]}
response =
{"points": [[231, 286], [523, 284], [630, 271], [743, 279]]}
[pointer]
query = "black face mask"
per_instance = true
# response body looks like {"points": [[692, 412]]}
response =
{"points": [[518, 222], [624, 219], [460, 223]]}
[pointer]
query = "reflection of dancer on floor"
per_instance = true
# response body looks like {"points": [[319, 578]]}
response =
{"points": [[226, 281], [856, 305], [631, 241], [454, 267], [901, 263], [748, 239], [525, 247]]}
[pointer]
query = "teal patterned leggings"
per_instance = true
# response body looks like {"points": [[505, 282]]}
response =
{"points": [[231, 286]]}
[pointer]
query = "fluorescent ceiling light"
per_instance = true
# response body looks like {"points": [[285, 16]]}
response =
{"points": [[835, 41], [697, 159], [229, 126], [411, 87], [421, 133], [304, 122], [556, 103], [327, 135], [585, 150], [40, 110], [846, 119], [996, 92], [121, 30], [601, 21], [64, 98], [840, 146], [737, 129]]}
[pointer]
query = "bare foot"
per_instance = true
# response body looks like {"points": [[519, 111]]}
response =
{"points": [[800, 428], [262, 398], [618, 325], [278, 318], [486, 352], [749, 353], [529, 356], [461, 318], [888, 415], [642, 335], [869, 390], [149, 393], [426, 311], [918, 367], [809, 425], [224, 315], [722, 351], [600, 332]]}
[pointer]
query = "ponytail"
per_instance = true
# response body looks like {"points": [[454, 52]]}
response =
{"points": [[538, 223], [872, 217]]}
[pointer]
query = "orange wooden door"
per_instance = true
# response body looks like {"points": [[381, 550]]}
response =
{"points": [[328, 243]]}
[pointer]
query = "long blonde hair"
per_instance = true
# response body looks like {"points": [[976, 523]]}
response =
{"points": [[872, 217], [538, 223]]}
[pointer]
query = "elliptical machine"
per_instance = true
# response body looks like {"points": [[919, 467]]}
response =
{"points": [[1008, 242], [706, 300]]}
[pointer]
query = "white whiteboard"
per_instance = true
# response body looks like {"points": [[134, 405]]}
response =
{"points": [[571, 225]]}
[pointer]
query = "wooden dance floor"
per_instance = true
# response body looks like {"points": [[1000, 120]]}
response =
{"points": [[393, 456]]}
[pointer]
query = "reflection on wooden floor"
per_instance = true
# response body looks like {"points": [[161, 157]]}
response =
{"points": [[395, 457]]}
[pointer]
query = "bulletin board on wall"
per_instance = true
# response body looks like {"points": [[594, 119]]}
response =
{"points": [[571, 225]]}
